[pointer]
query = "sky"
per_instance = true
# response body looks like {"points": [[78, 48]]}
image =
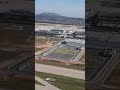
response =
{"points": [[70, 8]]}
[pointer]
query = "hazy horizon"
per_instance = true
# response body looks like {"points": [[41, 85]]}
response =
{"points": [[59, 14], [69, 8]]}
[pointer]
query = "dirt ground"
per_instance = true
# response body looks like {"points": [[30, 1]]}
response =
{"points": [[48, 45]]}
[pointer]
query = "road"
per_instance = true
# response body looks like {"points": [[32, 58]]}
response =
{"points": [[46, 87], [60, 71]]}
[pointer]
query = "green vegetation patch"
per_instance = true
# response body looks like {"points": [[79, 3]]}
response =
{"points": [[62, 82], [65, 51], [38, 49]]}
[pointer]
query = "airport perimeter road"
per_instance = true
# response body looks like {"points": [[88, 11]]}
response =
{"points": [[46, 87], [60, 71], [39, 87]]}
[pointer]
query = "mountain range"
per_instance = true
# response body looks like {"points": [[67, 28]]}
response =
{"points": [[58, 19]]}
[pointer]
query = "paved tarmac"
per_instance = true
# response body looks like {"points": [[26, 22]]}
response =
{"points": [[60, 71]]}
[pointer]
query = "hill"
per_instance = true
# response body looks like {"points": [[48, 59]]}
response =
{"points": [[56, 18]]}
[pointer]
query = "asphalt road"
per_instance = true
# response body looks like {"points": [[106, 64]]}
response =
{"points": [[60, 71]]}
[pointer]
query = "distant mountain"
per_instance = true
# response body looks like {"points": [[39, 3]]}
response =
{"points": [[50, 14], [56, 18]]}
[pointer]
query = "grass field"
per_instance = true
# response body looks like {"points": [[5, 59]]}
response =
{"points": [[38, 49], [64, 83], [65, 51], [50, 39]]}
